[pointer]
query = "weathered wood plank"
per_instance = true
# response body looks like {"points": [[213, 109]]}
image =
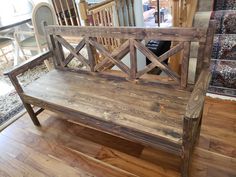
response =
{"points": [[28, 107], [29, 64], [60, 56], [117, 54], [122, 90], [209, 43], [127, 116], [51, 45], [38, 111], [72, 50], [175, 34], [196, 101], [91, 54], [153, 58], [105, 52], [200, 58], [112, 128], [151, 81], [77, 50], [185, 65], [163, 57], [133, 60]]}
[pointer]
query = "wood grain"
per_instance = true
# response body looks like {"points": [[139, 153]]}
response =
{"points": [[58, 146], [153, 58], [29, 64], [175, 34], [196, 100], [164, 115], [72, 51]]}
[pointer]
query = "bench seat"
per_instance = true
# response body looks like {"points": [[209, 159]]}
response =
{"points": [[156, 111]]}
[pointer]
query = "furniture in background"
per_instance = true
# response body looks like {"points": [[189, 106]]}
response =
{"points": [[183, 13], [11, 24], [161, 112], [110, 13], [5, 42], [35, 40], [67, 12], [104, 14]]}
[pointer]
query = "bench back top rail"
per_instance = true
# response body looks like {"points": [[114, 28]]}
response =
{"points": [[132, 41]]}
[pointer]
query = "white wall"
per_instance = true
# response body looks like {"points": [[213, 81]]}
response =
{"points": [[38, 1]]}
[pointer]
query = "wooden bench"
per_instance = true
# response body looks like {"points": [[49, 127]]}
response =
{"points": [[163, 112]]}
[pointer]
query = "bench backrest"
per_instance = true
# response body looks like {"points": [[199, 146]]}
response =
{"points": [[132, 40]]}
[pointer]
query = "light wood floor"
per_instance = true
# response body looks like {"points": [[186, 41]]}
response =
{"points": [[61, 148]]}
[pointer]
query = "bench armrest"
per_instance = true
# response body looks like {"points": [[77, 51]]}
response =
{"points": [[196, 101], [29, 64]]}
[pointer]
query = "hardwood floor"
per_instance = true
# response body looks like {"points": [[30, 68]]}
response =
{"points": [[61, 148]]}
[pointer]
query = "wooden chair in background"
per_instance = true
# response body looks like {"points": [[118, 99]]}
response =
{"points": [[36, 40], [67, 12], [5, 42]]}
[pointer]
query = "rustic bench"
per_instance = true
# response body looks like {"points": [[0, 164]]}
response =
{"points": [[163, 112]]}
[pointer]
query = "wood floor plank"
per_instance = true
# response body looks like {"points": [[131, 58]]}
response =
{"points": [[53, 125], [49, 148], [198, 169], [9, 162], [215, 160], [48, 144], [134, 165], [219, 133], [43, 163], [76, 130], [161, 158], [219, 173]]}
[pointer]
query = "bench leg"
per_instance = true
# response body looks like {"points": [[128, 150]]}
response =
{"points": [[199, 129], [185, 163], [32, 114], [186, 147], [198, 132], [26, 105]]}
